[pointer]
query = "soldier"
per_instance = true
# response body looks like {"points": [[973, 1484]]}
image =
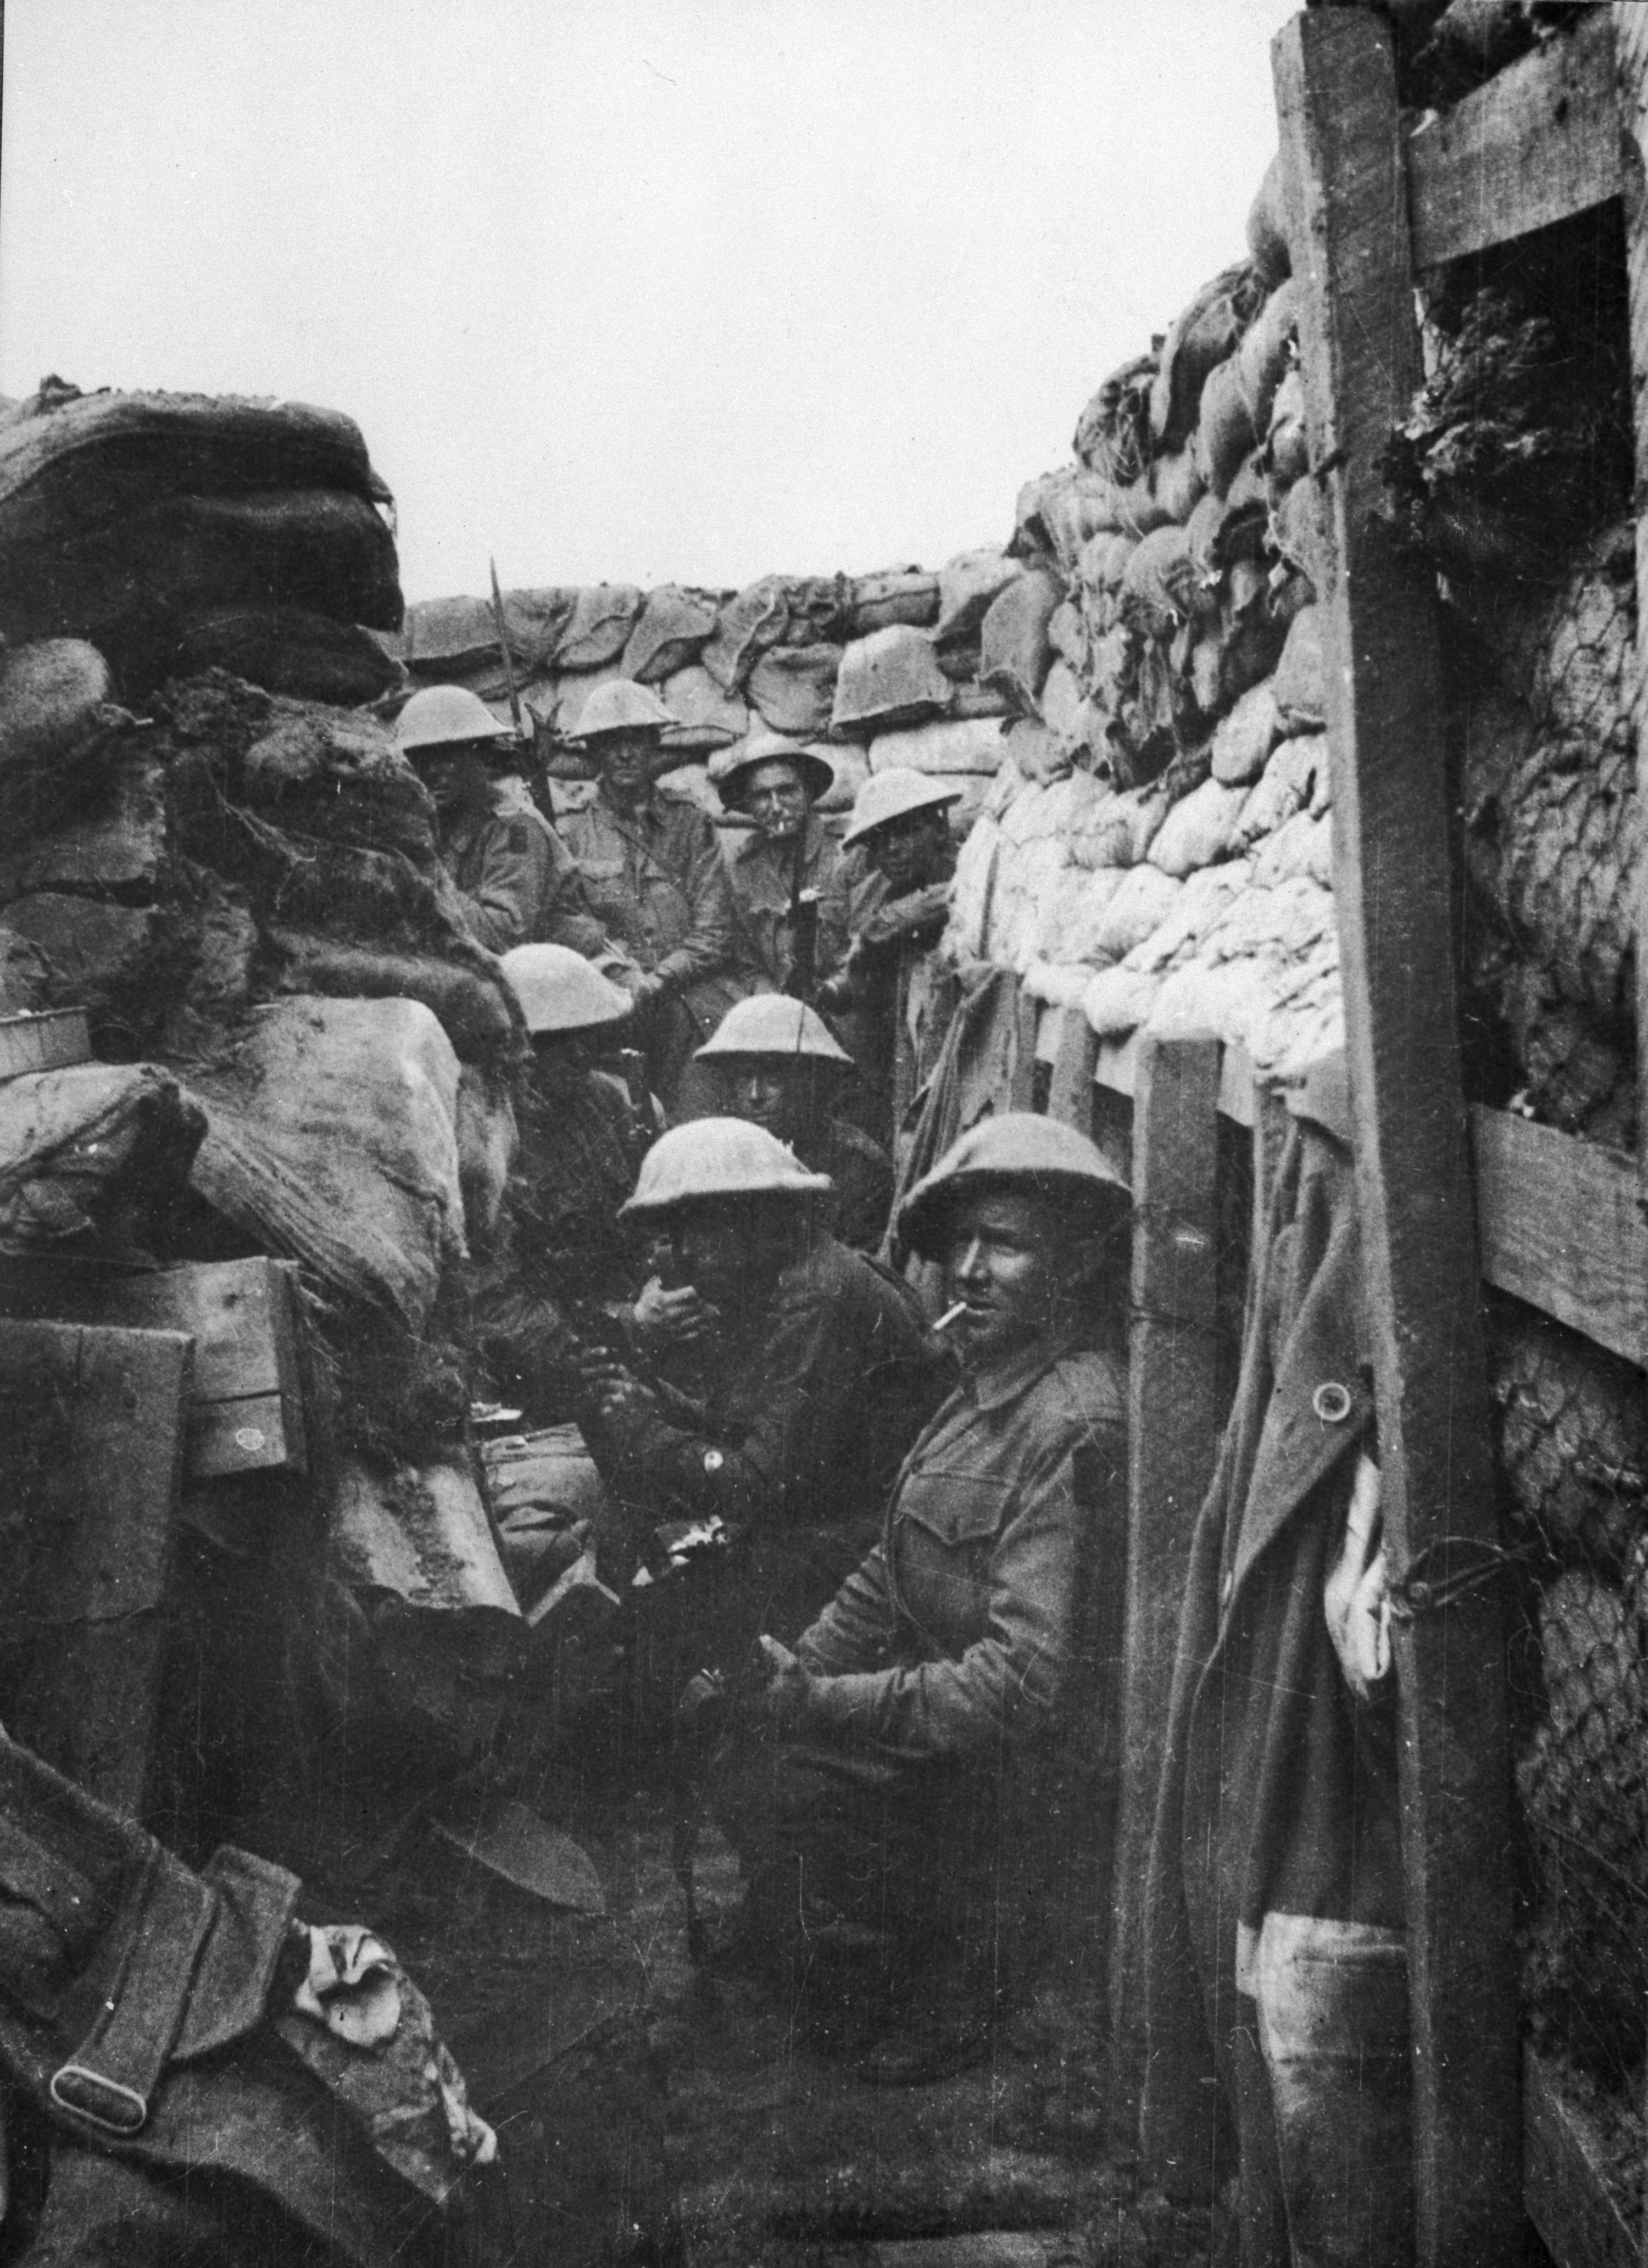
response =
{"points": [[516, 880], [816, 1371], [788, 878], [895, 1002], [776, 1065], [657, 881], [561, 1272], [896, 1783]]}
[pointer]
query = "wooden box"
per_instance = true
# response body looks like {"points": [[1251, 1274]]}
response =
{"points": [[245, 1411], [48, 1042]]}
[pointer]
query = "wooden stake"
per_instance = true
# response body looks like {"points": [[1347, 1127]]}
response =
{"points": [[1342, 164], [1630, 57], [1173, 1419]]}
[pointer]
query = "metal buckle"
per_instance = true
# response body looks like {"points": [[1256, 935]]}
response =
{"points": [[117, 2109]]}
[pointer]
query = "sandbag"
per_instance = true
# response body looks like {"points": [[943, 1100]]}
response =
{"points": [[332, 1132], [1014, 654], [793, 687], [1118, 1000], [118, 841], [675, 625], [1225, 433], [450, 638], [96, 1143], [1067, 634], [598, 629], [1287, 442], [746, 627], [25, 976], [282, 649], [1060, 512], [1176, 484], [1245, 737], [1267, 229], [708, 718], [1302, 846], [1069, 715], [1295, 779], [1117, 830], [487, 1140], [975, 747], [1143, 898], [1112, 433], [72, 462], [1071, 931], [902, 594], [969, 701], [1197, 342], [852, 768], [58, 722], [1159, 589], [889, 678], [122, 963], [473, 1005], [1199, 829], [1301, 685], [1263, 357], [1038, 753], [968, 584]]}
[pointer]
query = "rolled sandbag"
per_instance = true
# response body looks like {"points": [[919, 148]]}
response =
{"points": [[1263, 357], [889, 678], [72, 462], [1294, 779], [1118, 1000], [970, 701], [1038, 753], [1073, 928], [793, 687], [1014, 655], [1245, 737], [598, 629], [1143, 899], [746, 627], [1302, 845], [1112, 433], [976, 747], [284, 650], [968, 584], [902, 594], [93, 1143], [447, 639], [1287, 443], [1301, 677], [1159, 589], [1118, 829], [973, 888], [1198, 830], [1100, 572], [332, 1130], [691, 784], [674, 627], [487, 1144], [1176, 484], [1267, 229], [1059, 513], [562, 711], [708, 718], [1207, 896], [1066, 713], [57, 723], [473, 1008], [1197, 341], [1225, 433]]}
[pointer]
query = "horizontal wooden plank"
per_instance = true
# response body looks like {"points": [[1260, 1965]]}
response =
{"points": [[1559, 1227], [1536, 144], [1116, 1068], [1563, 2187]]}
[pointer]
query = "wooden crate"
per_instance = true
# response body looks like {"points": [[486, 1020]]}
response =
{"points": [[246, 1412]]}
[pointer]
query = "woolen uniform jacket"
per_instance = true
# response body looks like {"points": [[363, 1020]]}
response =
{"points": [[763, 884], [1278, 1791], [657, 885]]}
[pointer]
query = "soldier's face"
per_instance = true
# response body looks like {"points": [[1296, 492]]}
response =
{"points": [[906, 849], [777, 801], [626, 763], [767, 1092], [456, 777], [1002, 1258], [728, 1250]]}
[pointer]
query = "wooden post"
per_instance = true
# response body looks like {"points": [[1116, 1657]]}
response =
{"points": [[1344, 168], [1630, 57], [1070, 1094], [1172, 1421], [1021, 1093]]}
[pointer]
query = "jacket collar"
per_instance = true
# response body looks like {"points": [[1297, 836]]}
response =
{"points": [[639, 819], [1016, 1374]]}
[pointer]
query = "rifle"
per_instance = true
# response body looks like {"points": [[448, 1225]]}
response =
{"points": [[802, 982], [504, 651]]}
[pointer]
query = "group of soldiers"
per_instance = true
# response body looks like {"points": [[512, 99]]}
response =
{"points": [[921, 1520]]}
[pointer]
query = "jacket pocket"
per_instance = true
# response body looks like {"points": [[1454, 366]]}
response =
{"points": [[946, 1529]]}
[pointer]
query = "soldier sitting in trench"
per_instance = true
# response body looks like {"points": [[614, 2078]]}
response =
{"points": [[805, 1372], [897, 1791], [776, 1065]]}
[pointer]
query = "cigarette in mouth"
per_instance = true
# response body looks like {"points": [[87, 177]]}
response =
{"points": [[951, 1316]]}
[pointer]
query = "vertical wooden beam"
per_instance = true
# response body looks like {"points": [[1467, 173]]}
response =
{"points": [[1173, 1418], [1021, 1093], [1343, 170], [1631, 63], [1070, 1093]]}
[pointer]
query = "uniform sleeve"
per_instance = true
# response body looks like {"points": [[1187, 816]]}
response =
{"points": [[833, 932], [711, 941], [857, 1628], [567, 920], [1010, 1682], [503, 907], [809, 1370]]}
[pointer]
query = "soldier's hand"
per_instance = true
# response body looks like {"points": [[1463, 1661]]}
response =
{"points": [[613, 1391], [789, 1686], [662, 1319]]}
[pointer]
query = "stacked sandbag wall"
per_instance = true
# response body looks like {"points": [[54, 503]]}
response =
{"points": [[869, 670]]}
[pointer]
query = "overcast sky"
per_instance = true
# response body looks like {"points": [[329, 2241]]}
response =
{"points": [[634, 290]]}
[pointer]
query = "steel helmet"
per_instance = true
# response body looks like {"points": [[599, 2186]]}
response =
{"points": [[894, 794], [717, 1157], [731, 769], [1019, 1150], [621, 705], [442, 714], [559, 990], [773, 1024]]}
